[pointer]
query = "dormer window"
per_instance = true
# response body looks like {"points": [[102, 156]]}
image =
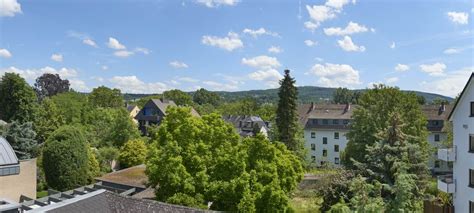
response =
{"points": [[472, 109]]}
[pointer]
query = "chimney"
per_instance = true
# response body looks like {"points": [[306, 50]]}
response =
{"points": [[347, 108], [312, 108]]}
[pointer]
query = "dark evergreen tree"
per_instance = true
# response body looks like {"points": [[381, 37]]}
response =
{"points": [[286, 116], [22, 138], [49, 84]]}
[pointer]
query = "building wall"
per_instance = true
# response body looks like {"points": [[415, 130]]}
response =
{"points": [[331, 141], [13, 186], [463, 125], [443, 165], [134, 113]]}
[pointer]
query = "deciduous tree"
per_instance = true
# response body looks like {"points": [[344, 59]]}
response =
{"points": [[49, 84], [132, 153], [179, 97], [105, 97], [17, 99]]}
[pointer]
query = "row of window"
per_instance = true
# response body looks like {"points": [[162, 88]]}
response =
{"points": [[471, 143], [336, 160], [329, 121], [325, 139], [336, 149]]}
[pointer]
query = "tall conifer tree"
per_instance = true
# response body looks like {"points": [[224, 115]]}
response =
{"points": [[286, 118]]}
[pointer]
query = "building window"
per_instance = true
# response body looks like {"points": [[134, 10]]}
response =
{"points": [[471, 206], [325, 140], [325, 121], [315, 121], [313, 158], [436, 164], [313, 134], [436, 137], [346, 122], [313, 146], [336, 148], [471, 143], [325, 153], [335, 122], [336, 161], [472, 109], [471, 178], [336, 135]]}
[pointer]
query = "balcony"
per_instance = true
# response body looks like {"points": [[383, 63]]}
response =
{"points": [[446, 183], [447, 154]]}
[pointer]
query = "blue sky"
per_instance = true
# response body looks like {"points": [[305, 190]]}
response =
{"points": [[148, 46]]}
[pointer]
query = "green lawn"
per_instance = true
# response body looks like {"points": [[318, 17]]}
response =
{"points": [[41, 194]]}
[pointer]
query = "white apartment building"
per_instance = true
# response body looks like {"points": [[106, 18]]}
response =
{"points": [[326, 125], [461, 182]]}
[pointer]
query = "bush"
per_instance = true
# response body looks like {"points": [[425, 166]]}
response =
{"points": [[65, 159], [132, 153]]}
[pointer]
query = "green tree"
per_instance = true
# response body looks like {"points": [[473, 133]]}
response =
{"points": [[199, 160], [286, 115], [123, 129], [133, 153], [48, 85], [106, 155], [105, 97], [65, 159], [17, 99], [71, 106], [22, 138], [203, 96], [49, 119], [94, 168], [343, 96], [179, 97]]}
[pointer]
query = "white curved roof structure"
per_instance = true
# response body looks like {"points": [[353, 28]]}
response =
{"points": [[9, 164]]}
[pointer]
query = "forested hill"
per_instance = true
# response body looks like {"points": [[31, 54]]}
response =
{"points": [[306, 94]]}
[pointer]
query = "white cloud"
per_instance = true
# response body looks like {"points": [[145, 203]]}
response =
{"points": [[9, 8], [391, 80], [311, 26], [123, 53], [142, 50], [217, 3], [270, 77], [259, 32], [450, 85], [65, 73], [57, 57], [458, 17], [402, 67], [347, 45], [131, 84], [393, 45], [229, 43], [228, 86], [4, 53], [310, 43], [351, 28], [115, 44], [262, 62], [335, 75], [104, 67], [178, 65], [320, 13], [452, 51], [436, 69], [275, 49], [89, 42], [188, 79], [338, 4]]}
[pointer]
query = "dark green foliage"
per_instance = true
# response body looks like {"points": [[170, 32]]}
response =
{"points": [[17, 99], [199, 160], [71, 106], [105, 157], [49, 84], [203, 96], [345, 96], [65, 159], [179, 97], [123, 129], [286, 115], [105, 97], [333, 188], [22, 138]]}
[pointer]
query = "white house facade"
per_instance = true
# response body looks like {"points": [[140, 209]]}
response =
{"points": [[461, 183]]}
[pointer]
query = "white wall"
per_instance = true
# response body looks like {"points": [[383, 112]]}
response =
{"points": [[437, 144], [318, 141], [463, 125]]}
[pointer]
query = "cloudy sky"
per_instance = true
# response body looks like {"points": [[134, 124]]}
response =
{"points": [[148, 46]]}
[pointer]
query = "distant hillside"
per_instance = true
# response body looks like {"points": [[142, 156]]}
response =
{"points": [[306, 94]]}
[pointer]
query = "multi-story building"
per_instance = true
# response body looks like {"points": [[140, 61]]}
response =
{"points": [[461, 182], [247, 125], [325, 127]]}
